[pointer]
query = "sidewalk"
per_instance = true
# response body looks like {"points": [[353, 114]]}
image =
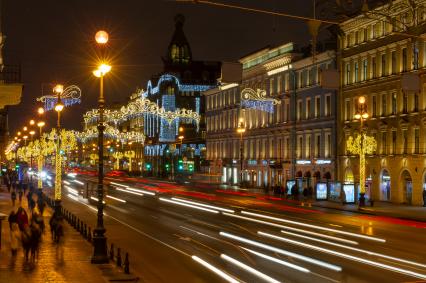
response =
{"points": [[74, 266]]}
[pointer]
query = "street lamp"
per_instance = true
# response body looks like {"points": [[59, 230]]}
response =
{"points": [[40, 110], [32, 122], [99, 240], [40, 158], [32, 133], [58, 89], [241, 130], [361, 115]]}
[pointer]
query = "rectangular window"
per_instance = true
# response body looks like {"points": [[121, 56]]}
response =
{"points": [[374, 114], [383, 65], [393, 56], [300, 147], [271, 87], [405, 141], [404, 60], [299, 109], [318, 146], [328, 146], [348, 74], [317, 106], [287, 111], [373, 68], [393, 142], [384, 105], [308, 108], [416, 102], [287, 82], [348, 110], [328, 105], [404, 103], [356, 70], [308, 146], [384, 143], [364, 69], [416, 141], [393, 103], [287, 147], [365, 35], [279, 83]]}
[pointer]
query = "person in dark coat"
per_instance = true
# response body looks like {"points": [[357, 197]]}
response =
{"points": [[12, 218], [26, 241], [13, 197], [424, 197], [35, 240], [22, 218]]}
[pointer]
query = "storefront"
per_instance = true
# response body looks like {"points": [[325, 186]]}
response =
{"points": [[385, 186]]}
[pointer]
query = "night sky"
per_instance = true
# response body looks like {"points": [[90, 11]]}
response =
{"points": [[54, 43]]}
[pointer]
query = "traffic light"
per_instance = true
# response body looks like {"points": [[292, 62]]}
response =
{"points": [[167, 166], [191, 167], [17, 166], [180, 164], [148, 166]]}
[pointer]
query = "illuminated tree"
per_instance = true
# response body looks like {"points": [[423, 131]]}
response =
{"points": [[130, 155], [117, 155]]}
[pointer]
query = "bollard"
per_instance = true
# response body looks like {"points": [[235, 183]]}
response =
{"points": [[126, 264], [118, 257], [89, 236], [85, 231], [111, 252]]}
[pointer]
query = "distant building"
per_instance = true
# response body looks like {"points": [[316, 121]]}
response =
{"points": [[293, 140], [377, 53], [179, 86]]}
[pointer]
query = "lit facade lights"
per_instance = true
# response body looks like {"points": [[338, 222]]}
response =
{"points": [[69, 96]]}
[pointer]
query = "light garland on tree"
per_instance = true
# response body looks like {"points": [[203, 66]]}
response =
{"points": [[130, 154], [117, 155]]}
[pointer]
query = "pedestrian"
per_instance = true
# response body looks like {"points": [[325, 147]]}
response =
{"points": [[53, 223], [59, 231], [13, 197], [310, 192], [305, 194], [343, 196], [424, 197], [20, 193], [26, 241], [22, 218], [41, 205], [12, 219], [35, 240], [14, 238]]}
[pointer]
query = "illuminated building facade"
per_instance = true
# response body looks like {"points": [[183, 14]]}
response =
{"points": [[380, 50], [293, 139], [179, 86]]}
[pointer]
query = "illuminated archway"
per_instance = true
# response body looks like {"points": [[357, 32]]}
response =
{"points": [[407, 186], [349, 176], [385, 185]]}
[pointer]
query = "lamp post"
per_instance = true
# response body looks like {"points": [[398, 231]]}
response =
{"points": [[241, 130], [32, 133], [40, 158], [99, 240], [361, 115], [58, 89]]}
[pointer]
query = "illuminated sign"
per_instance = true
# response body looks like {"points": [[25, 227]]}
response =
{"points": [[322, 161], [252, 162], [303, 162]]}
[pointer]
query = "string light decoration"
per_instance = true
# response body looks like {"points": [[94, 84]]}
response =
{"points": [[71, 95], [257, 99], [110, 132], [361, 145], [138, 108], [93, 158], [130, 154], [118, 156], [171, 78]]}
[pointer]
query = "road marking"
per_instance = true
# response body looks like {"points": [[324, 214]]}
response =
{"points": [[249, 269], [215, 270], [347, 256]]}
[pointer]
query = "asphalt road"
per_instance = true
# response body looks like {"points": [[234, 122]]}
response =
{"points": [[169, 240]]}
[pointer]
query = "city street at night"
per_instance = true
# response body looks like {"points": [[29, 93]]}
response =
{"points": [[190, 141]]}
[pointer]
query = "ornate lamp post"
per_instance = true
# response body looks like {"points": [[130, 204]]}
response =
{"points": [[40, 157], [58, 89], [361, 145], [241, 130], [99, 240]]}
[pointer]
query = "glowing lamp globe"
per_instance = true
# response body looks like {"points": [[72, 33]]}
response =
{"points": [[101, 37], [59, 107], [32, 122], [361, 99], [40, 110]]}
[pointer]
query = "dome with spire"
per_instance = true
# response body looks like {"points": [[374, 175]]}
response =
{"points": [[179, 51]]}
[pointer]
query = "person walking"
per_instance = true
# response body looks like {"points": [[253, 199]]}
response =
{"points": [[15, 236], [12, 218], [13, 197], [35, 240], [22, 218], [20, 193], [26, 241]]}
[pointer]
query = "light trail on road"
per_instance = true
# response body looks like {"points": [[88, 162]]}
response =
{"points": [[117, 199], [315, 227], [249, 269], [347, 256], [284, 252], [203, 205], [130, 192], [189, 205], [216, 270]]}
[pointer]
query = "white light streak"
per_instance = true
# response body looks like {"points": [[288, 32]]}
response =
{"points": [[316, 227], [284, 252], [249, 269], [203, 205], [189, 205], [357, 249], [279, 261], [120, 185], [67, 183], [141, 191], [320, 235], [96, 199], [347, 256], [117, 199], [72, 197], [78, 182], [214, 269], [130, 192], [72, 175], [71, 190]]}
